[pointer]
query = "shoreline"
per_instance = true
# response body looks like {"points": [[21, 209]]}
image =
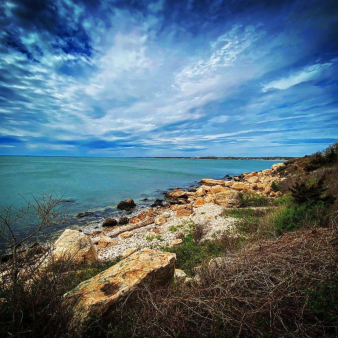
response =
{"points": [[165, 225]]}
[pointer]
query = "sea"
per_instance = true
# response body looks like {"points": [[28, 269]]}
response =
{"points": [[98, 184]]}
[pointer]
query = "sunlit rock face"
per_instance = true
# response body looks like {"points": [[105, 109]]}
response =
{"points": [[144, 267]]}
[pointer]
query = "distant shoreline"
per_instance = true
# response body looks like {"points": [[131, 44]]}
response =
{"points": [[264, 158], [267, 158]]}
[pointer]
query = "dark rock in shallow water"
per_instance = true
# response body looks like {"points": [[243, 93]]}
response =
{"points": [[157, 203], [123, 220], [109, 222], [68, 201], [126, 205], [85, 214], [145, 199]]}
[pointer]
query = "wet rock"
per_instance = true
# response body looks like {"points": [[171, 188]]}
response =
{"points": [[123, 220], [126, 205], [96, 295], [85, 214], [109, 222], [157, 203]]}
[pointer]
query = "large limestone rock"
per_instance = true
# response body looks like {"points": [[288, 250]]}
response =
{"points": [[211, 182], [71, 245], [239, 186], [201, 191], [215, 189], [227, 198], [96, 295]]}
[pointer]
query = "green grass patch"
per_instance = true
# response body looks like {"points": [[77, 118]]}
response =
{"points": [[295, 216], [190, 254]]}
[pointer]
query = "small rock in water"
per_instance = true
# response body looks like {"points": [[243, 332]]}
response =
{"points": [[126, 205], [85, 214], [123, 220], [109, 222], [157, 203]]}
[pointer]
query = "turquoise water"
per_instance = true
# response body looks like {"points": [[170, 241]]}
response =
{"points": [[98, 184]]}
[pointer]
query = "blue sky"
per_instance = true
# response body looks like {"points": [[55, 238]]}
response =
{"points": [[168, 77]]}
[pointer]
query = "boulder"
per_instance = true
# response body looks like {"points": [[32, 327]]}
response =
{"points": [[199, 202], [228, 183], [160, 220], [209, 199], [215, 189], [253, 179], [106, 242], [211, 182], [85, 214], [126, 234], [201, 191], [94, 297], [109, 222], [126, 205], [183, 212], [157, 203], [179, 194], [239, 186], [71, 245], [228, 199], [177, 241], [134, 220], [180, 274], [123, 220]]}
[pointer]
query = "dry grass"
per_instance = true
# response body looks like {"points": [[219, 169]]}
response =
{"points": [[283, 288]]}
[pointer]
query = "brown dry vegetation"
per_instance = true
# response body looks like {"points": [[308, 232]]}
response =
{"points": [[283, 288]]}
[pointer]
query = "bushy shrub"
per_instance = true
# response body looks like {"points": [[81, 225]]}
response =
{"points": [[253, 200], [275, 187], [303, 192], [295, 216]]}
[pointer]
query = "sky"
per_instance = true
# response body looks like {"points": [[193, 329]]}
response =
{"points": [[168, 77]]}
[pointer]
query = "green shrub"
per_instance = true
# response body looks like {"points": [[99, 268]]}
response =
{"points": [[285, 200], [295, 216], [275, 187], [311, 193], [253, 200], [190, 254]]}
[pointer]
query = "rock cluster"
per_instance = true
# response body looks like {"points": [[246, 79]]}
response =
{"points": [[225, 193]]}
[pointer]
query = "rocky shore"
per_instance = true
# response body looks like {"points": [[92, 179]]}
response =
{"points": [[164, 225]]}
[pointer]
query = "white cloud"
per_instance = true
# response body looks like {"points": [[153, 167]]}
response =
{"points": [[219, 119], [304, 75]]}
